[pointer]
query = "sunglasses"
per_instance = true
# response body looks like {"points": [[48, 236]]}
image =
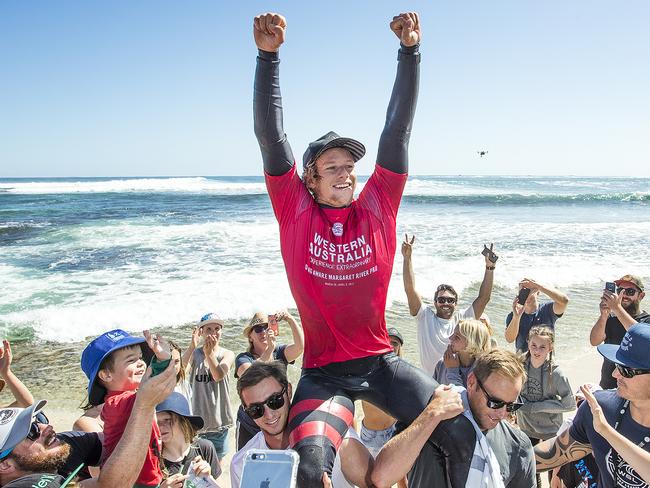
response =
{"points": [[630, 372], [275, 401], [630, 292], [34, 431], [496, 404], [260, 328], [446, 300]]}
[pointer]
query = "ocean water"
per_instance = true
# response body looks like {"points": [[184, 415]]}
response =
{"points": [[82, 256]]}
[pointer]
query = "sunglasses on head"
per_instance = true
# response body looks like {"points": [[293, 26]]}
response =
{"points": [[275, 401], [446, 300], [630, 372], [630, 292], [260, 328], [496, 404]]}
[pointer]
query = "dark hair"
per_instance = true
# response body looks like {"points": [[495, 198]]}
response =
{"points": [[181, 373], [258, 372], [444, 287]]}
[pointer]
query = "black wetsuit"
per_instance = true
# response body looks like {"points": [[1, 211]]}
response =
{"points": [[325, 395]]}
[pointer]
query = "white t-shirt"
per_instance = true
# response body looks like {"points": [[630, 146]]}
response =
{"points": [[434, 333], [258, 442]]}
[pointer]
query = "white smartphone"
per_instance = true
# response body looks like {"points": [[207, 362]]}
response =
{"points": [[270, 469]]}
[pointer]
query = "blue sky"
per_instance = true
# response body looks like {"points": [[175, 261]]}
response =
{"points": [[91, 88]]}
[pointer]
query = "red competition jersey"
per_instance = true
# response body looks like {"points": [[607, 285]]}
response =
{"points": [[115, 414], [339, 262]]}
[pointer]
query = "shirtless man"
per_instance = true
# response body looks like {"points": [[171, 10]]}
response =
{"points": [[338, 253]]}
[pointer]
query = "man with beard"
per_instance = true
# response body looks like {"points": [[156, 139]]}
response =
{"points": [[435, 327], [624, 411], [618, 312], [32, 454]]}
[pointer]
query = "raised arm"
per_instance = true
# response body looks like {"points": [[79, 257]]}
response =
{"points": [[294, 350], [512, 327], [23, 397], [414, 300], [393, 144], [485, 291], [125, 462], [269, 30], [560, 300]]}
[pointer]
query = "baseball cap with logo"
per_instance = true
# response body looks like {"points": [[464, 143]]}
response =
{"points": [[633, 351], [630, 280], [15, 424], [98, 350], [210, 318], [393, 332], [329, 141], [258, 319]]}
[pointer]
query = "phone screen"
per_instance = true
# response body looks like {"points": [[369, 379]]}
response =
{"points": [[273, 324]]}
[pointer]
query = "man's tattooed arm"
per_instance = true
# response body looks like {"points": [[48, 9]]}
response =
{"points": [[558, 451]]}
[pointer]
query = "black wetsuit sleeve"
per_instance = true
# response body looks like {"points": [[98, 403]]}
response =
{"points": [[393, 144], [267, 115]]}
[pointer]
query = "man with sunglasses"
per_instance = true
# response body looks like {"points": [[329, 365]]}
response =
{"points": [[618, 312], [501, 452], [31, 452], [265, 393], [435, 328], [626, 410]]}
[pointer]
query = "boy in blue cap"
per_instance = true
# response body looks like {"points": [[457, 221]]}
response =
{"points": [[114, 365]]}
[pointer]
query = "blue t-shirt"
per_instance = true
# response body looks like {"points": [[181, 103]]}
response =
{"points": [[544, 315], [607, 459]]}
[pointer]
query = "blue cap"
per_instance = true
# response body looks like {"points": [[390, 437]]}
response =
{"points": [[633, 351], [177, 403], [96, 352]]}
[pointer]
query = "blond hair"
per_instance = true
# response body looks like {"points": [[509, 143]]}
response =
{"points": [[499, 361], [477, 336]]}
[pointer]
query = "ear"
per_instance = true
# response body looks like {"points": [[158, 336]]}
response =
{"points": [[6, 466], [471, 381], [289, 391], [104, 375], [641, 295]]}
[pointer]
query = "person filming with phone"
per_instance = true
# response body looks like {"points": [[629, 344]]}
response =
{"points": [[436, 327], [620, 308], [262, 332], [527, 311]]}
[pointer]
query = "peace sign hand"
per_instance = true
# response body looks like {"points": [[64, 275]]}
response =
{"points": [[407, 246]]}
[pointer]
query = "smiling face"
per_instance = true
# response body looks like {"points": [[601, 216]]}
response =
{"points": [[540, 348], [44, 454], [126, 371], [336, 179], [445, 304], [259, 340], [631, 303], [500, 388], [273, 422]]}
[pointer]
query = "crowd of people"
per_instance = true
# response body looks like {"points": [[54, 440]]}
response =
{"points": [[474, 414]]}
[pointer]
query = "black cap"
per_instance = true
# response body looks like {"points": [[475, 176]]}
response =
{"points": [[329, 141], [393, 332]]}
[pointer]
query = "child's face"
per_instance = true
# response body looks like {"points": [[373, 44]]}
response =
{"points": [[211, 329], [540, 348], [128, 369]]}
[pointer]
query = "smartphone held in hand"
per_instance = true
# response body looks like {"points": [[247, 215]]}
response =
{"points": [[270, 469], [523, 295], [273, 324], [610, 286]]}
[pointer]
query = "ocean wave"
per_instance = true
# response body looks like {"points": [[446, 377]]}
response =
{"points": [[525, 198]]}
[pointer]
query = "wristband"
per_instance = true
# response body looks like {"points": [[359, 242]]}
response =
{"points": [[491, 268]]}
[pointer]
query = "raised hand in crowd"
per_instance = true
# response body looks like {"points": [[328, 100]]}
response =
{"points": [[269, 31], [23, 397], [158, 345]]}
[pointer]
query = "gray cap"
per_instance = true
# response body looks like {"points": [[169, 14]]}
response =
{"points": [[15, 424]]}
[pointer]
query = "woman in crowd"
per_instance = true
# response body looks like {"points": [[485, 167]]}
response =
{"points": [[262, 347], [470, 338], [182, 384], [181, 447], [546, 392]]}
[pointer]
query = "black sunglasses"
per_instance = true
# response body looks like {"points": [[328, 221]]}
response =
{"points": [[496, 404], [260, 328], [630, 372], [34, 430], [446, 300], [275, 401], [630, 292]]}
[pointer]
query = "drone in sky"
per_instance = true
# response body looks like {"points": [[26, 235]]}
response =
{"points": [[481, 153]]}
